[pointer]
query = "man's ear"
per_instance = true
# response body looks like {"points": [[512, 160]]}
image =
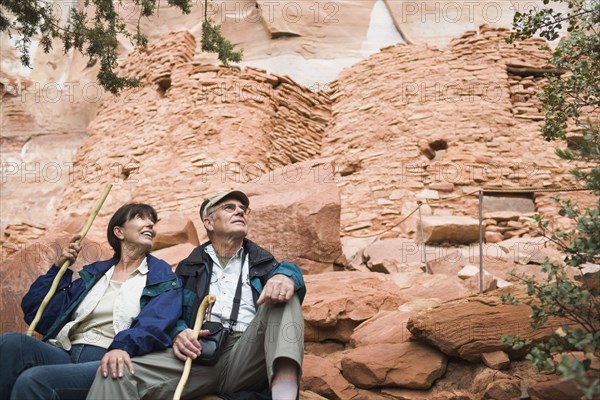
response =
{"points": [[118, 231], [208, 224]]}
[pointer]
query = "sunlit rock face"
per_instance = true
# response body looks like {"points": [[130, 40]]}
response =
{"points": [[436, 23], [309, 41]]}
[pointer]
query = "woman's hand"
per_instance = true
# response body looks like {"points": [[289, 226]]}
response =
{"points": [[70, 253], [114, 363]]}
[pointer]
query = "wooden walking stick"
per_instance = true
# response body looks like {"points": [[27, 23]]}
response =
{"points": [[66, 264], [208, 300]]}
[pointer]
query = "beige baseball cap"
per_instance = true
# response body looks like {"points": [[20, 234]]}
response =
{"points": [[207, 204]]}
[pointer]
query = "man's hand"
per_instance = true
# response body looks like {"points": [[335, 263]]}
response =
{"points": [[187, 345], [279, 289], [114, 363]]}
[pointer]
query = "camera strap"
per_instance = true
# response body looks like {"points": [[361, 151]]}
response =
{"points": [[235, 309], [238, 296]]}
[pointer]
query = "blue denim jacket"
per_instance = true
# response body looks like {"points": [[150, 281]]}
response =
{"points": [[161, 305]]}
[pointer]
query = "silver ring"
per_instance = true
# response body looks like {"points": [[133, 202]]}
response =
{"points": [[282, 293]]}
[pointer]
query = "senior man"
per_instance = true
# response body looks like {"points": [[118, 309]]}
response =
{"points": [[265, 345]]}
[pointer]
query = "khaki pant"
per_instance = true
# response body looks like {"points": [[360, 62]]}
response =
{"points": [[245, 364]]}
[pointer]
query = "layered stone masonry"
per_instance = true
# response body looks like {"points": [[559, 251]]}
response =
{"points": [[409, 123], [413, 120], [192, 128]]}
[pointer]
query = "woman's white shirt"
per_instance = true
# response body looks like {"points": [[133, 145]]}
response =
{"points": [[126, 305]]}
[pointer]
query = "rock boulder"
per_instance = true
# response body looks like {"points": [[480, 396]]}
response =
{"points": [[174, 229], [419, 285], [410, 365], [395, 255], [555, 389], [389, 326], [503, 389], [337, 302], [384, 327], [174, 254], [21, 268], [321, 376], [296, 215], [496, 360], [454, 229], [473, 326]]}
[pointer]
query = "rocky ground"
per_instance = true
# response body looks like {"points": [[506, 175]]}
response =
{"points": [[377, 326]]}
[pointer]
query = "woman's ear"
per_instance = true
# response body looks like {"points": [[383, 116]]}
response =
{"points": [[118, 231]]}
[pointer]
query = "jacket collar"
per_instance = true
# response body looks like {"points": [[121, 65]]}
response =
{"points": [[100, 267], [158, 270], [156, 274], [256, 254]]}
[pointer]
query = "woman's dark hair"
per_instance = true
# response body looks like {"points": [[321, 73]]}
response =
{"points": [[124, 214]]}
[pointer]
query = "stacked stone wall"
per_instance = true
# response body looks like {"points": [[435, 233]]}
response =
{"points": [[437, 124]]}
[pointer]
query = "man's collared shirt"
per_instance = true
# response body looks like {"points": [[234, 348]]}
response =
{"points": [[223, 284]]}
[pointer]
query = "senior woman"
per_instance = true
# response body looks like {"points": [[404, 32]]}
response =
{"points": [[117, 309]]}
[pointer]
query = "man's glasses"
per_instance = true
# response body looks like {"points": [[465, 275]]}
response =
{"points": [[230, 208]]}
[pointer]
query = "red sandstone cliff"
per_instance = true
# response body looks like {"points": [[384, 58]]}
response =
{"points": [[409, 123]]}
